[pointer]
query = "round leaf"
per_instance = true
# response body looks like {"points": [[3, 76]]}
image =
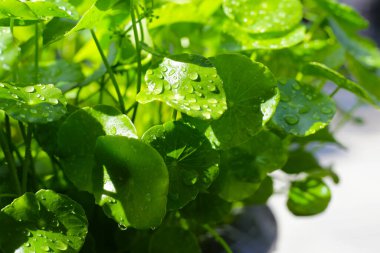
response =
{"points": [[189, 84], [77, 138], [42, 222], [136, 186], [192, 163], [308, 197], [174, 240], [32, 104], [242, 168], [248, 85], [264, 16], [302, 110]]}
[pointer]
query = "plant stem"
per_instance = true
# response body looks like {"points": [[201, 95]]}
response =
{"points": [[8, 195], [110, 72], [36, 47], [174, 115], [138, 54], [28, 159], [218, 238], [10, 160], [334, 92]]}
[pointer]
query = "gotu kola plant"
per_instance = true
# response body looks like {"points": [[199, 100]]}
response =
{"points": [[138, 126]]}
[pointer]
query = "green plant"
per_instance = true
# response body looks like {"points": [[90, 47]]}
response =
{"points": [[137, 126]]}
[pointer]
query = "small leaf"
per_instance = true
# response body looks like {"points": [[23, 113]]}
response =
{"points": [[192, 163], [45, 221], [136, 187], [302, 110], [77, 138], [193, 11], [243, 168], [264, 16], [248, 85], [32, 104], [343, 12], [189, 84], [56, 29], [320, 70], [174, 240], [300, 161], [308, 197]]}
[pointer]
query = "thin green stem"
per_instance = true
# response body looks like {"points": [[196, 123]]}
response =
{"points": [[334, 92], [110, 72], [138, 54], [8, 130], [11, 25], [218, 238], [8, 195], [174, 114], [28, 159], [36, 56], [22, 129], [10, 160]]}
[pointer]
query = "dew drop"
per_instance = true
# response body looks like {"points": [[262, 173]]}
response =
{"points": [[291, 119], [189, 177], [193, 76], [27, 244], [212, 101], [113, 130], [158, 88], [122, 227], [30, 89], [53, 101], [304, 109], [14, 95], [45, 248], [284, 98], [164, 68], [211, 87], [60, 245], [189, 88], [206, 115], [149, 72], [171, 72], [326, 110], [195, 107], [2, 85], [112, 201]]}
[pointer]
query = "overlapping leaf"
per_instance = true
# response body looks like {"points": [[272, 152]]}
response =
{"points": [[135, 187], [302, 110], [189, 84], [192, 163], [33, 104], [42, 222]]}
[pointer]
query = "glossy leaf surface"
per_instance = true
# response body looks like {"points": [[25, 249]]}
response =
{"points": [[302, 110], [33, 104], [248, 85], [264, 16], [308, 197], [134, 191], [42, 222], [192, 163], [189, 84], [77, 138]]}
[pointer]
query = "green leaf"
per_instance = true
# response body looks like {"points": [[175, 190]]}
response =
{"points": [[17, 9], [264, 16], [262, 194], [344, 13], [302, 110], [136, 187], [9, 51], [32, 104], [191, 162], [173, 240], [300, 161], [93, 15], [42, 222], [207, 209], [248, 41], [242, 168], [77, 138], [363, 50], [248, 86], [56, 29], [189, 84], [320, 70], [308, 197], [52, 8], [194, 11]]}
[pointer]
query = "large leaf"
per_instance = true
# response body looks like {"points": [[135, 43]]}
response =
{"points": [[343, 12], [302, 110], [308, 197], [77, 138], [188, 83], [33, 104], [192, 163], [42, 222], [248, 86], [248, 41], [264, 16], [320, 70], [174, 240], [16, 9], [9, 51], [242, 168], [135, 188], [195, 11]]}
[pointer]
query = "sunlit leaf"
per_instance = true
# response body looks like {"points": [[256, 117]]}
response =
{"points": [[33, 104], [302, 110], [42, 222]]}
